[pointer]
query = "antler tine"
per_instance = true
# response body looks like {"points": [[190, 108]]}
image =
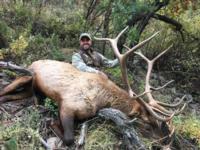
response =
{"points": [[120, 34], [139, 45], [159, 55], [102, 39], [179, 111], [158, 106], [150, 66], [123, 58], [154, 114], [114, 42], [120, 58], [166, 116], [158, 88], [172, 105]]}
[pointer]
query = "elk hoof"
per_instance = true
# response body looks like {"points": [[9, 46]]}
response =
{"points": [[68, 140]]}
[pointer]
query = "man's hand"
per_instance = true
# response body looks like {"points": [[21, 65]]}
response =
{"points": [[103, 74]]}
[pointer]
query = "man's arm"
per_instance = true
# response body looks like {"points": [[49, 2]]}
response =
{"points": [[78, 62], [107, 62]]}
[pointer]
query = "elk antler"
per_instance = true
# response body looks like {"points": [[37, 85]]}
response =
{"points": [[123, 57], [157, 106], [152, 106]]}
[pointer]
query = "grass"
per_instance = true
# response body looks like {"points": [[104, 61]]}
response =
{"points": [[101, 136], [188, 126], [21, 132]]}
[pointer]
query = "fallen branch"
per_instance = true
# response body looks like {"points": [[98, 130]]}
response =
{"points": [[9, 65], [121, 120], [82, 136]]}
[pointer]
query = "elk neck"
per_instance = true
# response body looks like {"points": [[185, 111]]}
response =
{"points": [[110, 95]]}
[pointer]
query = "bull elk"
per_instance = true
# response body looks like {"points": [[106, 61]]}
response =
{"points": [[80, 95]]}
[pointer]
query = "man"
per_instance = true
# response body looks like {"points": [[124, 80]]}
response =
{"points": [[87, 59]]}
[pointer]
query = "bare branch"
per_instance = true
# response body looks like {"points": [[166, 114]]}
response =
{"points": [[8, 65], [44, 143], [82, 136]]}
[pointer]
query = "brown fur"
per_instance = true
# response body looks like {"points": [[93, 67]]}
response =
{"points": [[79, 94]]}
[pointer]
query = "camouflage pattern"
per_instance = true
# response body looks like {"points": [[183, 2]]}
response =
{"points": [[88, 64]]}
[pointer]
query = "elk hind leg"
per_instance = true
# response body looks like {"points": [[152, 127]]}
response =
{"points": [[17, 96], [15, 84]]}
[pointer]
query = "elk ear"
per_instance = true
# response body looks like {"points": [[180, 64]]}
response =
{"points": [[136, 109], [134, 112]]}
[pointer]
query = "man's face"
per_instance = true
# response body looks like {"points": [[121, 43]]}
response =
{"points": [[85, 43]]}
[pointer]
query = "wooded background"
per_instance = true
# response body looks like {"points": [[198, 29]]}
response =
{"points": [[39, 29]]}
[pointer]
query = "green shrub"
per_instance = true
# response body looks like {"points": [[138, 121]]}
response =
{"points": [[18, 46], [5, 30], [23, 132], [188, 126], [40, 47], [52, 106]]}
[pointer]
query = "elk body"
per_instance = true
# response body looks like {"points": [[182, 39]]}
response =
{"points": [[80, 95]]}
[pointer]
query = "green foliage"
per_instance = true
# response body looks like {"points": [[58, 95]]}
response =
{"points": [[133, 35], [116, 76], [11, 144], [5, 30], [188, 126], [52, 106], [39, 33], [181, 62], [123, 10], [53, 44], [23, 15], [191, 22], [67, 25], [100, 137], [41, 48], [18, 46], [23, 133], [114, 72], [9, 73], [17, 15]]}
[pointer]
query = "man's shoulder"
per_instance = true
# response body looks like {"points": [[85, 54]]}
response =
{"points": [[76, 53]]}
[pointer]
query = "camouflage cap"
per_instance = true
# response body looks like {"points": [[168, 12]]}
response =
{"points": [[85, 35]]}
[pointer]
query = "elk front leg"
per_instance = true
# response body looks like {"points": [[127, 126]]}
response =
{"points": [[67, 122]]}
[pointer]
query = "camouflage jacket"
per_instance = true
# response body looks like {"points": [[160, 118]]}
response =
{"points": [[92, 61]]}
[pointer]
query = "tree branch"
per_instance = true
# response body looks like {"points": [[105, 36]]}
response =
{"points": [[168, 20]]}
